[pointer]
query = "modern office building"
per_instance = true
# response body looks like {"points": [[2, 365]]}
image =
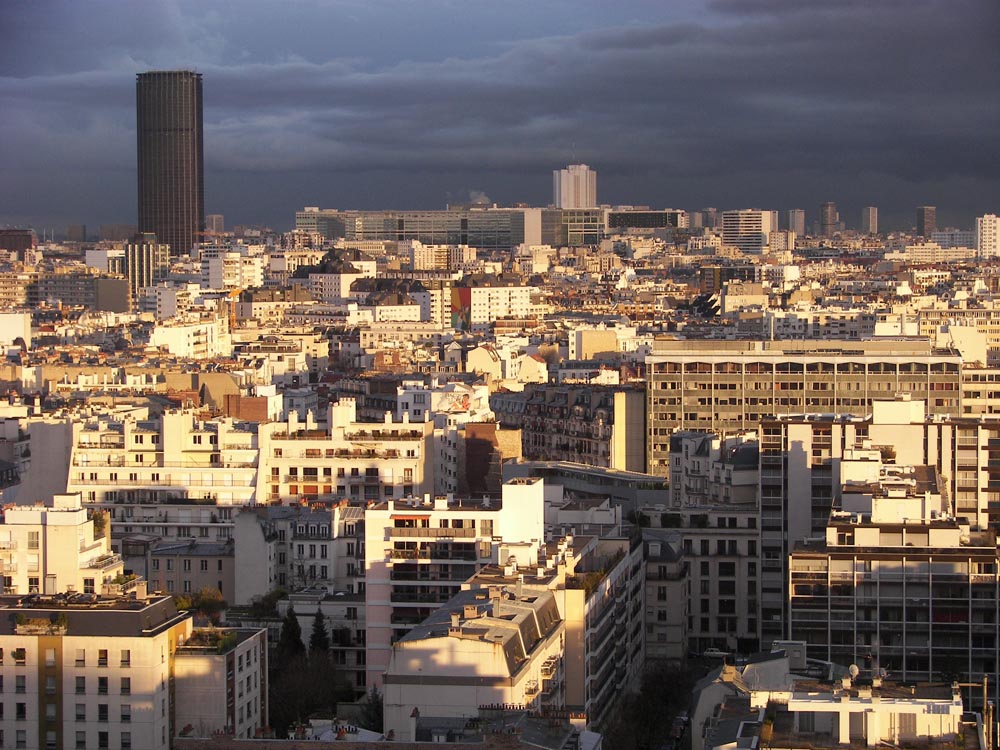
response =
{"points": [[147, 263], [829, 219], [723, 386], [869, 220], [897, 582], [574, 187], [797, 222], [926, 220], [748, 229], [170, 157], [801, 483], [987, 231]]}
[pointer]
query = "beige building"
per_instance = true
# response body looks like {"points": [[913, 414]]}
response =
{"points": [[418, 552], [56, 548], [83, 671], [221, 678]]}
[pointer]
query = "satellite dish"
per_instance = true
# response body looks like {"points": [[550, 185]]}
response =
{"points": [[853, 671]]}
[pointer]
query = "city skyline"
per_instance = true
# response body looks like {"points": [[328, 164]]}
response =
{"points": [[375, 116]]}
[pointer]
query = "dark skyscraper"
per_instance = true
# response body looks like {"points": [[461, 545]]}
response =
{"points": [[926, 220], [829, 219], [171, 174]]}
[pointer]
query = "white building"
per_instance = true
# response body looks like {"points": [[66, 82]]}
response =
{"points": [[987, 232], [574, 187], [748, 229], [419, 552], [55, 548]]}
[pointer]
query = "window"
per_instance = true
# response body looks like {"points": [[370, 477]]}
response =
{"points": [[204, 565], [32, 540], [102, 657], [126, 713], [50, 711], [187, 566], [50, 657], [187, 587], [102, 712], [102, 740], [102, 685], [126, 657], [50, 684], [126, 741], [21, 711], [81, 711], [81, 685], [126, 686], [170, 564], [81, 657], [33, 582], [19, 685], [81, 741], [22, 738], [156, 563], [20, 656]]}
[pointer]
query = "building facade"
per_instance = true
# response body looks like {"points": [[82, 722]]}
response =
{"points": [[170, 155]]}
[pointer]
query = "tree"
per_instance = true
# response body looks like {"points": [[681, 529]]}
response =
{"points": [[290, 640], [319, 641], [371, 711]]}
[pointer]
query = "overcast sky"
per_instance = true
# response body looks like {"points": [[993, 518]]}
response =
{"points": [[412, 103]]}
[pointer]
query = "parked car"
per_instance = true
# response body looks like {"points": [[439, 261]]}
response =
{"points": [[714, 653]]}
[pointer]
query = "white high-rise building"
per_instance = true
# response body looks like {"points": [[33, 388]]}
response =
{"points": [[574, 187], [987, 229], [748, 229]]}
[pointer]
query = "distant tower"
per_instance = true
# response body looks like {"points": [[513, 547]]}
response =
{"points": [[147, 263], [926, 220], [988, 236], [869, 220], [215, 224], [828, 219], [170, 157], [797, 222], [574, 187], [710, 217]]}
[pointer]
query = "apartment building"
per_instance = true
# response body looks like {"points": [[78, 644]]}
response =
{"points": [[89, 671], [720, 548], [48, 549], [132, 458], [221, 678], [666, 597], [897, 582], [501, 645], [800, 475], [418, 552], [358, 460], [722, 386], [597, 425]]}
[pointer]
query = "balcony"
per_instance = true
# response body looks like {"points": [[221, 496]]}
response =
{"points": [[105, 561], [433, 533]]}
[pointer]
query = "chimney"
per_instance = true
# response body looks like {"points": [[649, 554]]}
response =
{"points": [[456, 622]]}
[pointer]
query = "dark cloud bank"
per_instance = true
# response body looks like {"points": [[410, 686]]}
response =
{"points": [[773, 103]]}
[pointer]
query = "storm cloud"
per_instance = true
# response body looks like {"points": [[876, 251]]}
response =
{"points": [[731, 103]]}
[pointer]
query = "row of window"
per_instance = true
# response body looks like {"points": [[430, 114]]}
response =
{"points": [[186, 564]]}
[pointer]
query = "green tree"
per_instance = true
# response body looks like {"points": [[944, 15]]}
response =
{"points": [[319, 640], [371, 711], [290, 640]]}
